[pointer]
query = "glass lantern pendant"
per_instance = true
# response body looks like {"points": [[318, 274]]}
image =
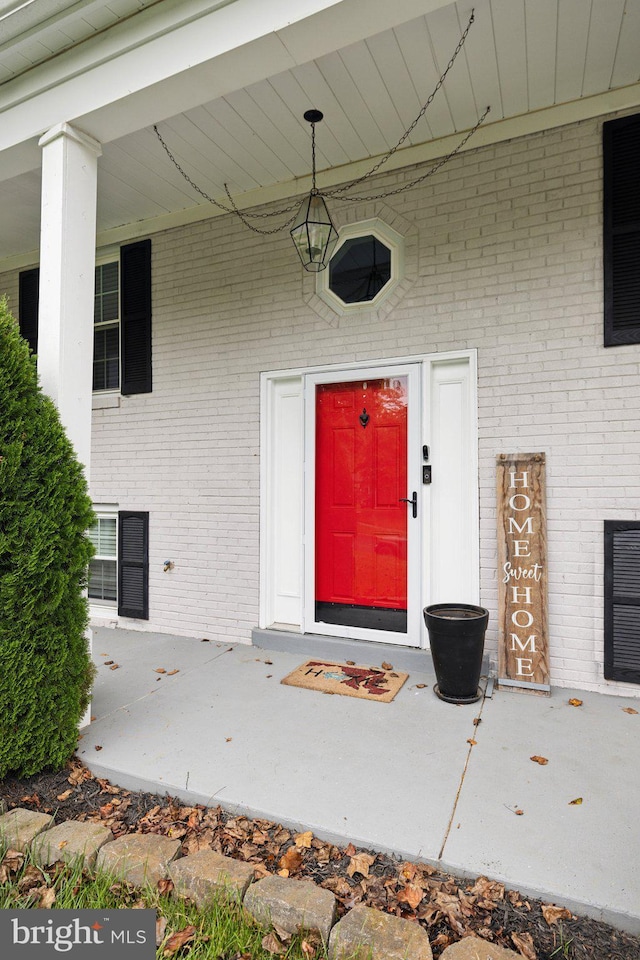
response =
{"points": [[313, 233]]}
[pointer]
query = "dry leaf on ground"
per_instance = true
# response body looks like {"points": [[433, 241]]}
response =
{"points": [[178, 940], [576, 802], [574, 702], [291, 860], [360, 863], [628, 710], [161, 926], [411, 895], [387, 666], [552, 914], [271, 944], [65, 795], [524, 943], [541, 760], [303, 840]]}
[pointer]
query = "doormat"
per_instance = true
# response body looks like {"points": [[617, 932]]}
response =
{"points": [[368, 683]]}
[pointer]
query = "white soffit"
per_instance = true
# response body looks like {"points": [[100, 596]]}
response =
{"points": [[236, 117]]}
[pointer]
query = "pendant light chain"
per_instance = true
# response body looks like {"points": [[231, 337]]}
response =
{"points": [[347, 186], [339, 192]]}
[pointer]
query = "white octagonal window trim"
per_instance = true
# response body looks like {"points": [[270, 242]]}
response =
{"points": [[386, 243]]}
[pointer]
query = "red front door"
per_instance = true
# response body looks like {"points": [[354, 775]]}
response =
{"points": [[361, 523]]}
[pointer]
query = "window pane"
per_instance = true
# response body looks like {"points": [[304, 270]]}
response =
{"points": [[102, 580], [106, 304], [103, 536], [360, 269], [106, 358]]}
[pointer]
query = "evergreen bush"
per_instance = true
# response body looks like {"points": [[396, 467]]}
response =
{"points": [[45, 511]]}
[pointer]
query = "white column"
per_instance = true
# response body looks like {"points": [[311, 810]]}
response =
{"points": [[67, 271]]}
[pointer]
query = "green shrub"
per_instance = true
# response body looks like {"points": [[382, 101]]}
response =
{"points": [[45, 666]]}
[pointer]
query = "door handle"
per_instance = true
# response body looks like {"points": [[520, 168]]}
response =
{"points": [[413, 502]]}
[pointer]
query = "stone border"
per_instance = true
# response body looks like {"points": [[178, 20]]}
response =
{"points": [[294, 905]]}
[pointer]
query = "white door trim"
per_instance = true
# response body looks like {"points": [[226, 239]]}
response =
{"points": [[449, 409]]}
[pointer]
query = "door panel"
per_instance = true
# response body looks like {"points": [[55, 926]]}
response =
{"points": [[360, 521]]}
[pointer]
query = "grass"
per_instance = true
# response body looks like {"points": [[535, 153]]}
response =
{"points": [[223, 930]]}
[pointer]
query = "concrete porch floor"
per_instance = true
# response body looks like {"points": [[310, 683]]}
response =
{"points": [[399, 778]]}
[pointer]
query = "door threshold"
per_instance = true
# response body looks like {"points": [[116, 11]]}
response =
{"points": [[341, 649]]}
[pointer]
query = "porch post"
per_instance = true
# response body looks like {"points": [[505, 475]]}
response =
{"points": [[67, 281], [67, 270]]}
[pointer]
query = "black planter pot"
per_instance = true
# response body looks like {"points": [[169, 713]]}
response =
{"points": [[456, 638]]}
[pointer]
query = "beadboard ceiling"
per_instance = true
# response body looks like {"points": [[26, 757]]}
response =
{"points": [[522, 57]]}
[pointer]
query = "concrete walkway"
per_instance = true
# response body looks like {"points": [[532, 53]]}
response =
{"points": [[400, 778]]}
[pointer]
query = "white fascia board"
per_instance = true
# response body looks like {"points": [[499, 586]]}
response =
{"points": [[181, 53]]}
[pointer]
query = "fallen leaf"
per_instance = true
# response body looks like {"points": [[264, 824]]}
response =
{"points": [[159, 670], [165, 886], [228, 739], [552, 913], [576, 802], [62, 844], [161, 926], [350, 851], [178, 940], [114, 667], [308, 949], [47, 898], [360, 863], [519, 813], [477, 721], [575, 702], [420, 686], [408, 870], [281, 933], [291, 860], [303, 839], [65, 795], [541, 760], [107, 662], [387, 666], [172, 673], [411, 895], [628, 710], [271, 944], [524, 943], [472, 741], [350, 663], [97, 747]]}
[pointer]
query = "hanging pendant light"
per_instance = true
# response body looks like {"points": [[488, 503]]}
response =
{"points": [[313, 233]]}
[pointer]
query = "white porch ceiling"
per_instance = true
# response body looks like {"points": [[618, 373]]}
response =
{"points": [[525, 58]]}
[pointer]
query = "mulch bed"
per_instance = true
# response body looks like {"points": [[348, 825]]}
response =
{"points": [[448, 907]]}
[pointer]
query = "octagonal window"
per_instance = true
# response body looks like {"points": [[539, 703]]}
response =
{"points": [[360, 269]]}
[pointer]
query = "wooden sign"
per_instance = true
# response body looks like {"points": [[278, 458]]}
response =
{"points": [[523, 657]]}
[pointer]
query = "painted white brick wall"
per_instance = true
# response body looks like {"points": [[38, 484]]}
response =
{"points": [[510, 262]]}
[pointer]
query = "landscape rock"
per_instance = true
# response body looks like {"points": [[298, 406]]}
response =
{"points": [[292, 904], [69, 841], [367, 934], [138, 857], [472, 948], [206, 873], [19, 827]]}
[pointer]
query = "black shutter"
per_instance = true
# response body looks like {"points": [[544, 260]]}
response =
{"points": [[135, 302], [28, 295], [622, 600], [621, 146], [133, 564]]}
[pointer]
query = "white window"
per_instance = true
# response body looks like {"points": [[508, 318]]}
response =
{"points": [[106, 335], [365, 268], [103, 569]]}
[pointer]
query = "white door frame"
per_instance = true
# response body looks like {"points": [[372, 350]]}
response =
{"points": [[414, 539], [449, 515]]}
